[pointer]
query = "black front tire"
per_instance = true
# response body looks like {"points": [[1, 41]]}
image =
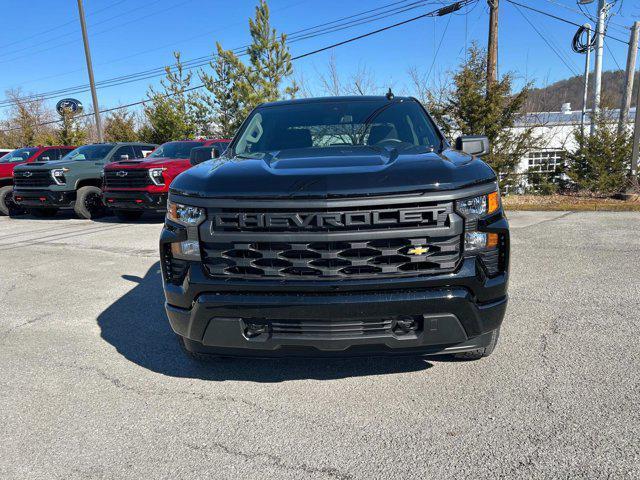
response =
{"points": [[7, 205], [89, 203], [43, 212], [480, 352], [128, 215]]}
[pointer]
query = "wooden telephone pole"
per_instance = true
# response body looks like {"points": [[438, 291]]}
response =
{"points": [[627, 93], [492, 49]]}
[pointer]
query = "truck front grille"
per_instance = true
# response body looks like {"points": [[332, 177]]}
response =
{"points": [[353, 239], [332, 329], [340, 259], [32, 178], [127, 178]]}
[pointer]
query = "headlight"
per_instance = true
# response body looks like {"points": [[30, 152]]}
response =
{"points": [[478, 241], [156, 175], [472, 209], [185, 214], [477, 207], [58, 175]]}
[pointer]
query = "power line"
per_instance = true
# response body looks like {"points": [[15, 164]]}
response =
{"points": [[99, 32], [459, 4], [542, 12], [57, 27], [553, 49], [203, 60]]}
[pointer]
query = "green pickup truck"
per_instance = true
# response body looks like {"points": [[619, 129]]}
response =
{"points": [[74, 181]]}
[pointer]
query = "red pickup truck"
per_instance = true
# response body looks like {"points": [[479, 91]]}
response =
{"points": [[18, 157], [132, 187]]}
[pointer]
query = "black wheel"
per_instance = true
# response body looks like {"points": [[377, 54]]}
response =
{"points": [[200, 357], [128, 215], [43, 212], [89, 203], [480, 352], [7, 205]]}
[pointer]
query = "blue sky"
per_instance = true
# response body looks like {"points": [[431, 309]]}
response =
{"points": [[41, 48]]}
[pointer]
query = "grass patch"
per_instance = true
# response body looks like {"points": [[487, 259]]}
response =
{"points": [[569, 203]]}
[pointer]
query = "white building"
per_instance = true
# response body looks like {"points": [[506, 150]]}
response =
{"points": [[556, 132]]}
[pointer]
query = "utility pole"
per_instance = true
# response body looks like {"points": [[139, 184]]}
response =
{"points": [[92, 83], [603, 8], [636, 138], [492, 49], [631, 72], [587, 68]]}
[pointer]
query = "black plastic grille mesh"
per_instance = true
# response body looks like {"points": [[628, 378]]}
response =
{"points": [[132, 179], [393, 256], [32, 178]]}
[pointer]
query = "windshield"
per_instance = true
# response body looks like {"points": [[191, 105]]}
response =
{"points": [[19, 155], [375, 123], [89, 152], [174, 150]]}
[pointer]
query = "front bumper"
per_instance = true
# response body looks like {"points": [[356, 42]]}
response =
{"points": [[135, 200], [44, 198], [448, 320]]}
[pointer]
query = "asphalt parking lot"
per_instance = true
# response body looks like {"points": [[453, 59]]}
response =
{"points": [[93, 384]]}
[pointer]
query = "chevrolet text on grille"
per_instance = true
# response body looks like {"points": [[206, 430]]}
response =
{"points": [[332, 219]]}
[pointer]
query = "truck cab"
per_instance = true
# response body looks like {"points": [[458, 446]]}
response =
{"points": [[19, 157], [73, 182], [133, 186]]}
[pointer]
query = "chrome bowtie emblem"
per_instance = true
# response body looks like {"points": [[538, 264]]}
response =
{"points": [[121, 173], [27, 174]]}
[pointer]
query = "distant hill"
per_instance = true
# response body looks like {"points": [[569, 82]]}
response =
{"points": [[551, 97]]}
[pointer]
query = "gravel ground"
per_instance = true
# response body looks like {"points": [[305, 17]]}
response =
{"points": [[93, 384]]}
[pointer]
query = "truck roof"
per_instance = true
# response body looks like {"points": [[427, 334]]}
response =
{"points": [[346, 98]]}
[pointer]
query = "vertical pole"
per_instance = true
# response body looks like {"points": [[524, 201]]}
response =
{"points": [[636, 138], [597, 87], [631, 72], [492, 49], [587, 68], [92, 83]]}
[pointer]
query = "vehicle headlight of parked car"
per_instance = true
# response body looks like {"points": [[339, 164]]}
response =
{"points": [[156, 175], [189, 217], [58, 175]]}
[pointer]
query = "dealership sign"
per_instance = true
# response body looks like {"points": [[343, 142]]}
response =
{"points": [[69, 106]]}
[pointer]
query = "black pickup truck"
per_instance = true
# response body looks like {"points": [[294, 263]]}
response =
{"points": [[337, 227]]}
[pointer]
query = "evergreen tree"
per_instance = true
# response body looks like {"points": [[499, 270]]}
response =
{"points": [[471, 107], [601, 162], [236, 88], [70, 132], [119, 126], [169, 113]]}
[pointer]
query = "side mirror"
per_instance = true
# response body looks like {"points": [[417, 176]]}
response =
{"points": [[477, 145], [201, 154], [124, 157]]}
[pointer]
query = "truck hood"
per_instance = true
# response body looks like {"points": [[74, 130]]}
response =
{"points": [[47, 165], [144, 163], [327, 172]]}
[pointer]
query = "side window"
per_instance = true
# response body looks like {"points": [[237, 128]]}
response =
{"points": [[48, 155], [64, 151], [147, 149], [122, 151]]}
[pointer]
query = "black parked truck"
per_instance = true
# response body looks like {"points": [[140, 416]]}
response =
{"points": [[338, 226]]}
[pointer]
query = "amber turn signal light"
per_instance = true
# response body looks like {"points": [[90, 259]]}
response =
{"points": [[492, 240], [493, 202]]}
